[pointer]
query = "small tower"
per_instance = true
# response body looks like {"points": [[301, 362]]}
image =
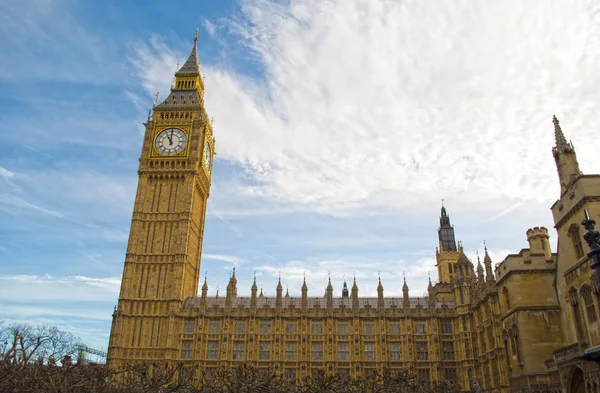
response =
{"points": [[565, 158], [304, 294], [446, 232], [480, 277], [405, 299], [354, 295], [204, 291], [430, 295], [253, 291], [539, 242], [345, 290], [329, 294], [380, 303], [278, 300], [447, 251], [489, 271]]}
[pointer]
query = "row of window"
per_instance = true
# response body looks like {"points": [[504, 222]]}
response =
{"points": [[316, 350], [289, 374], [317, 327]]}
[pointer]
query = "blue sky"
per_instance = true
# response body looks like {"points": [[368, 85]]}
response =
{"points": [[340, 126]]}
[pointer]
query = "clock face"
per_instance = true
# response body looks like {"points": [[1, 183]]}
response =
{"points": [[207, 156], [170, 141]]}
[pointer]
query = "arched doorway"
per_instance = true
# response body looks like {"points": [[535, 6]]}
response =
{"points": [[577, 384]]}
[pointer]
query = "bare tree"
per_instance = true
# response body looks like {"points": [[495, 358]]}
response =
{"points": [[23, 343], [321, 382]]}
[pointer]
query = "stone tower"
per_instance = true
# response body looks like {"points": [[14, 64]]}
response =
{"points": [[162, 263], [446, 254]]}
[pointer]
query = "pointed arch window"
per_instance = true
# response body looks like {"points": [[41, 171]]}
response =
{"points": [[573, 299], [506, 298], [576, 241], [588, 300]]}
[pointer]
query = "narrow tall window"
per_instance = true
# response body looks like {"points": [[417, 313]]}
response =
{"points": [[420, 328], [506, 298], [316, 350], [290, 327], [446, 326], [590, 308], [264, 350], [214, 327], [395, 351], [187, 347], [265, 327], [368, 328], [238, 350], [290, 351], [239, 327], [343, 350], [573, 299], [422, 351], [212, 350], [317, 328], [369, 351], [448, 350], [576, 240], [189, 326], [394, 327]]}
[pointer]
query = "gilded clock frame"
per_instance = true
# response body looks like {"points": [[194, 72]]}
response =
{"points": [[212, 157], [183, 153]]}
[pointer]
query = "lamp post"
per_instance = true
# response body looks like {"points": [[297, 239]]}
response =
{"points": [[592, 238]]}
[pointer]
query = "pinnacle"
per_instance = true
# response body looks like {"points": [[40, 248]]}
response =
{"points": [[191, 65], [561, 142]]}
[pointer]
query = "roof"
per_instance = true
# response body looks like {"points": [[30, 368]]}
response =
{"points": [[313, 302]]}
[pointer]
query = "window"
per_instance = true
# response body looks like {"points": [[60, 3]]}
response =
{"points": [[189, 326], [212, 350], [422, 352], [264, 350], [368, 328], [290, 327], [316, 352], [448, 350], [573, 299], [290, 374], [214, 327], [491, 338], [239, 327], [343, 350], [395, 351], [369, 351], [187, 348], [342, 327], [265, 327], [290, 351], [450, 374], [238, 350], [467, 349], [420, 328], [590, 308], [317, 328], [465, 328], [424, 375], [506, 298], [576, 240], [450, 268], [394, 327], [446, 326]]}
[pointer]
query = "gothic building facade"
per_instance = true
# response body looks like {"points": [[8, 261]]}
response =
{"points": [[520, 325]]}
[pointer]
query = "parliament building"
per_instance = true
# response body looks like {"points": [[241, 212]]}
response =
{"points": [[518, 325]]}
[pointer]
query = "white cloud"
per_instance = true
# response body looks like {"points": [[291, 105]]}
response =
{"points": [[72, 288], [224, 258], [6, 174], [366, 105]]}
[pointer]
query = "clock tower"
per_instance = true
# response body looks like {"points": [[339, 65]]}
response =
{"points": [[162, 263]]}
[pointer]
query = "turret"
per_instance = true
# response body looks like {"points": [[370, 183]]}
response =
{"points": [[565, 158], [380, 303], [204, 291], [354, 295], [539, 242], [430, 295], [345, 290], [278, 300], [489, 271], [329, 294], [253, 291], [446, 232], [405, 299], [304, 294], [480, 277]]}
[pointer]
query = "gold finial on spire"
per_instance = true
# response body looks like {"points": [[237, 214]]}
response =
{"points": [[156, 98], [177, 66], [196, 35]]}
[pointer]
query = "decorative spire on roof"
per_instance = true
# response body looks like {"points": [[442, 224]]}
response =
{"points": [[287, 292], [254, 287], [191, 67], [430, 286], [345, 289], [446, 232], [379, 286], [404, 287], [561, 141], [487, 261], [205, 285], [261, 292], [565, 158]]}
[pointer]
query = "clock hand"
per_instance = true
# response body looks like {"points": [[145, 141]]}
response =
{"points": [[171, 138]]}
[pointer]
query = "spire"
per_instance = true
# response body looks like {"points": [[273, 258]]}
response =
{"points": [[561, 142], [480, 278], [191, 67], [187, 90], [205, 285], [380, 301], [261, 293], [564, 157], [287, 293], [430, 286], [304, 293], [379, 286], [487, 261], [404, 287], [254, 286], [253, 291], [345, 289], [354, 295], [304, 287], [405, 298], [446, 231]]}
